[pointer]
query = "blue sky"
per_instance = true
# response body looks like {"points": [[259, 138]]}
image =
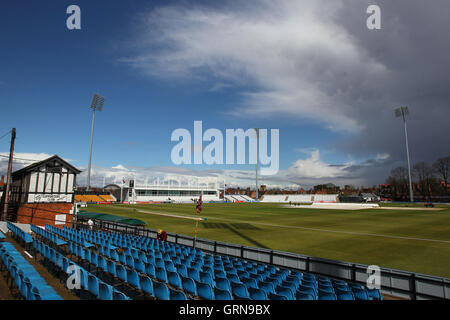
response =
{"points": [[49, 73]]}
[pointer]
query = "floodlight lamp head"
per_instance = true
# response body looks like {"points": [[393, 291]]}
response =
{"points": [[97, 102], [401, 112]]}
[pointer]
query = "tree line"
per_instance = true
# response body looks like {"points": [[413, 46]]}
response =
{"points": [[428, 180]]}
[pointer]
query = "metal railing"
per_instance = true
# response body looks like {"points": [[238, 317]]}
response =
{"points": [[404, 284]]}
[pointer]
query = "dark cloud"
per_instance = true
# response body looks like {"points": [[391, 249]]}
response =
{"points": [[413, 46]]}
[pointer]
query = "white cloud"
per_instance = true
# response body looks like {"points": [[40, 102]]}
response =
{"points": [[383, 156], [293, 53], [313, 167], [120, 167], [303, 173]]}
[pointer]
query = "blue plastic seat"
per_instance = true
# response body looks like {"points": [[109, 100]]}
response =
{"points": [[223, 283], [257, 294], [139, 265], [205, 291], [122, 258], [274, 296], [290, 284], [194, 274], [93, 285], [239, 289], [111, 266], [299, 295], [274, 278], [133, 279], [233, 277], [344, 295], [327, 296], [189, 285], [341, 287], [170, 266], [309, 283], [84, 280], [146, 285], [177, 295], [374, 294], [219, 273], [306, 289], [161, 291], [174, 279], [102, 265], [285, 291], [322, 283], [325, 290], [150, 270], [249, 282], [206, 277], [161, 274], [159, 263], [105, 291], [309, 277], [117, 295], [121, 273], [93, 259], [182, 270], [360, 294], [222, 294], [268, 287], [306, 284]]}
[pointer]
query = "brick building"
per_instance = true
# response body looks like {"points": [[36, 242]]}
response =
{"points": [[43, 193]]}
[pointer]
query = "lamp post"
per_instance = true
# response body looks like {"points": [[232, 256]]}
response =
{"points": [[403, 112], [96, 104]]}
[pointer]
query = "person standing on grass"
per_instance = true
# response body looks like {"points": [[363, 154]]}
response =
{"points": [[162, 235]]}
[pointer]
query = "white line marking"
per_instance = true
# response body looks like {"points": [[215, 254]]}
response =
{"points": [[31, 257]]}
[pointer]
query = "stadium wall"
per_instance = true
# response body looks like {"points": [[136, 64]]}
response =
{"points": [[54, 214]]}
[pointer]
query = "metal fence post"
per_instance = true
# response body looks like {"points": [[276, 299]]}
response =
{"points": [[413, 286], [353, 277]]}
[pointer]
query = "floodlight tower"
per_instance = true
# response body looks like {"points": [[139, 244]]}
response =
{"points": [[403, 112], [96, 104]]}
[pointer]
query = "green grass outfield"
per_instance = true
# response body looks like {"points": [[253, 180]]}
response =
{"points": [[411, 240]]}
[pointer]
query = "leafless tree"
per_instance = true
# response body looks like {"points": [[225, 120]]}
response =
{"points": [[425, 176], [399, 181], [442, 167]]}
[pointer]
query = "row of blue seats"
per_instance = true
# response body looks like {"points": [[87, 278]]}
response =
{"points": [[122, 241], [47, 235], [88, 281], [22, 235], [2, 236], [132, 241], [29, 282], [165, 268], [69, 236], [337, 289], [195, 282], [239, 272], [145, 281]]}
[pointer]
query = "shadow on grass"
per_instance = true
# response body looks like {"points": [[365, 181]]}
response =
{"points": [[235, 227]]}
